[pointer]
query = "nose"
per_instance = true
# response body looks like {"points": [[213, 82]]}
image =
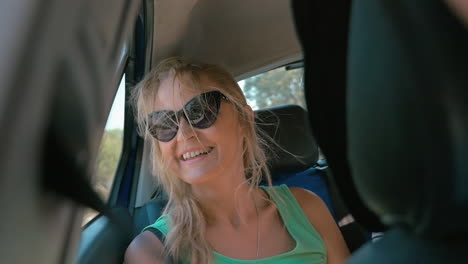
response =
{"points": [[186, 131]]}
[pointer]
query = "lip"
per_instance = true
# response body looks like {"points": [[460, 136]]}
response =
{"points": [[209, 150], [196, 159]]}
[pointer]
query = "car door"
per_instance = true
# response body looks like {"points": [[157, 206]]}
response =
{"points": [[105, 236], [60, 68]]}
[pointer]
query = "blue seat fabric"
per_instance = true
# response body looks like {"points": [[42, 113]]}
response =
{"points": [[311, 179]]}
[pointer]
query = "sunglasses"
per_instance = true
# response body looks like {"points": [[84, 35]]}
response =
{"points": [[200, 112]]}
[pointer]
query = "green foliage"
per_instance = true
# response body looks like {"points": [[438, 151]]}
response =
{"points": [[275, 87], [108, 160]]}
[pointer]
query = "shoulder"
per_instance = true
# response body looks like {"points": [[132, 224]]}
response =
{"points": [[319, 216], [314, 208], [145, 248], [297, 191], [306, 198]]}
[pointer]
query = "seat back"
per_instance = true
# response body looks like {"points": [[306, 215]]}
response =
{"points": [[408, 128], [294, 162], [294, 154], [295, 149]]}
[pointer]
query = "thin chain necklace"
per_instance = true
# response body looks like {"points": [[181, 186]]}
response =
{"points": [[258, 230]]}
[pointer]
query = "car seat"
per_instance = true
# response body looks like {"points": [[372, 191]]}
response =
{"points": [[293, 161], [403, 109]]}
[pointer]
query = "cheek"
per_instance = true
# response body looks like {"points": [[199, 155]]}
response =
{"points": [[167, 153], [231, 137]]}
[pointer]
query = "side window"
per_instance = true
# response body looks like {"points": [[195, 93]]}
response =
{"points": [[275, 87], [110, 150]]}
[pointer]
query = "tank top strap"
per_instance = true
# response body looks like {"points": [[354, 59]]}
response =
{"points": [[293, 216], [162, 224], [287, 205]]}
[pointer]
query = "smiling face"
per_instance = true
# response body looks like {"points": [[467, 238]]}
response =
{"points": [[200, 155]]}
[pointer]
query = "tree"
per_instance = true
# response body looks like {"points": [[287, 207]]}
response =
{"points": [[108, 160], [276, 87]]}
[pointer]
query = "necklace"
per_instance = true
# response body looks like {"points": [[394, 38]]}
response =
{"points": [[258, 229]]}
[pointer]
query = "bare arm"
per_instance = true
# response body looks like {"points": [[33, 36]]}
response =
{"points": [[146, 248], [318, 214]]}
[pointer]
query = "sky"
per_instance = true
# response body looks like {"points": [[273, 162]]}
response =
{"points": [[117, 113]]}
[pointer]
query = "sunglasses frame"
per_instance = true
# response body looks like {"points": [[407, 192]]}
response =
{"points": [[183, 112]]}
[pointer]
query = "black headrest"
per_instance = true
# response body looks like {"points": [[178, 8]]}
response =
{"points": [[289, 126], [408, 115]]}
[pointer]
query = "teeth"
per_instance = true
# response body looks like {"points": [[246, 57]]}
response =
{"points": [[193, 154]]}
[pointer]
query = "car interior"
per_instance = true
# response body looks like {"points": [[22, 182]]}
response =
{"points": [[382, 137]]}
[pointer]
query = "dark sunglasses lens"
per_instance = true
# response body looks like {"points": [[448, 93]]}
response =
{"points": [[163, 125], [203, 110]]}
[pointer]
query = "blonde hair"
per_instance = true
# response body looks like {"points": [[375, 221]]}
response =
{"points": [[186, 236]]}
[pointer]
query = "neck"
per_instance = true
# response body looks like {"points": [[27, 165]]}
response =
{"points": [[227, 202]]}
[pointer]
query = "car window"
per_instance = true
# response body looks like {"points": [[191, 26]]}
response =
{"points": [[276, 87], [110, 150]]}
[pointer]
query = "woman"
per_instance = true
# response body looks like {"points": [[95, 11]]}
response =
{"points": [[209, 160]]}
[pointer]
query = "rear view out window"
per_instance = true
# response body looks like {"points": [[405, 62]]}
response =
{"points": [[275, 87], [110, 151]]}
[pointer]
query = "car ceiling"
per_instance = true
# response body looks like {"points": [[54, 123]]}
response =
{"points": [[230, 33]]}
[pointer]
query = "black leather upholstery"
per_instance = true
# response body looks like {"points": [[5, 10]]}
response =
{"points": [[289, 126], [408, 111], [401, 82], [322, 28], [408, 128]]}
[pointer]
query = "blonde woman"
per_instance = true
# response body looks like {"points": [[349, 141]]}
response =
{"points": [[209, 160]]}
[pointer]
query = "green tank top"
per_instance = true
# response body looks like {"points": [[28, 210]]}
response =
{"points": [[309, 249]]}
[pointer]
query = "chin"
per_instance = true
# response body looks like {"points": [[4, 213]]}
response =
{"points": [[194, 177]]}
